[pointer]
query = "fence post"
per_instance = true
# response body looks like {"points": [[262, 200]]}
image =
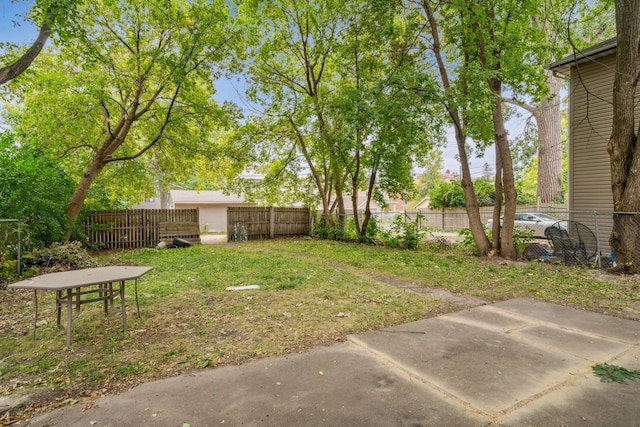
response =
{"points": [[19, 250], [272, 222], [598, 255]]}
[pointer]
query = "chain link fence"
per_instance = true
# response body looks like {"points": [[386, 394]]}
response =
{"points": [[602, 239]]}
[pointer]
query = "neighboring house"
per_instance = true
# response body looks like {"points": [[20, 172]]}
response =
{"points": [[212, 206], [362, 202], [150, 203], [591, 74], [423, 203], [392, 204], [395, 204]]}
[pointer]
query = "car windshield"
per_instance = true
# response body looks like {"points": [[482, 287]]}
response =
{"points": [[546, 217]]}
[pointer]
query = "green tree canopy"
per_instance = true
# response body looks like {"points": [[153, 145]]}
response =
{"points": [[451, 195], [34, 189], [137, 80], [345, 99]]}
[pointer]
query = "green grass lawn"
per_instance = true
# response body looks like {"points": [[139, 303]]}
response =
{"points": [[311, 293]]}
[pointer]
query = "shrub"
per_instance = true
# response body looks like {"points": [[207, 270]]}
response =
{"points": [[57, 257], [35, 190], [521, 239], [407, 235]]}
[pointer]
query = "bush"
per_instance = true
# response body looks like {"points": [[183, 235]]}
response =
{"points": [[57, 257], [521, 239], [34, 190], [407, 235]]}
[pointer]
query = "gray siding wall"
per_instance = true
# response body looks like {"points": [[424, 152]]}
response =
{"points": [[590, 119]]}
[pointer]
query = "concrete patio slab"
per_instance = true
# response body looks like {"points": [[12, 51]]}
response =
{"points": [[514, 363]]}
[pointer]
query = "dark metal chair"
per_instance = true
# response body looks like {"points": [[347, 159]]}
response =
{"points": [[573, 242]]}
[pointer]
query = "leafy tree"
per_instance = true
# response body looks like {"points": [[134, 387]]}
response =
{"points": [[451, 194], [430, 178], [488, 49], [343, 98], [288, 71], [456, 108], [591, 22], [136, 80], [623, 147], [34, 189], [383, 101], [447, 195]]}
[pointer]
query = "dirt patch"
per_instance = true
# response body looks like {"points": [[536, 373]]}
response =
{"points": [[462, 301]]}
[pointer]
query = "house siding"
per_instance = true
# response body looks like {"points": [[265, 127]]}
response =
{"points": [[590, 120]]}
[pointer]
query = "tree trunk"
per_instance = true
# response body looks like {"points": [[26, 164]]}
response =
{"points": [[471, 201], [548, 119], [80, 194], [164, 199], [341, 215], [497, 206], [367, 208], [507, 248], [623, 147]]}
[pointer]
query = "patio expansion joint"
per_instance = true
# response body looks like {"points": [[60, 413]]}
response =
{"points": [[534, 322], [415, 376], [515, 333], [575, 378]]}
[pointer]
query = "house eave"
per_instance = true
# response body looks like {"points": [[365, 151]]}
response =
{"points": [[563, 66]]}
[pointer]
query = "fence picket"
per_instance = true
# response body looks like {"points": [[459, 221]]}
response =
{"points": [[133, 228]]}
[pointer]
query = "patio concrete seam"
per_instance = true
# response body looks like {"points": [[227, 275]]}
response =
{"points": [[413, 375], [515, 334], [576, 377], [632, 351], [552, 325]]}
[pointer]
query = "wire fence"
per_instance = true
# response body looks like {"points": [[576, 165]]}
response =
{"points": [[10, 246], [602, 239]]}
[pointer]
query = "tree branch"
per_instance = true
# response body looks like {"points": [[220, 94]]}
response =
{"points": [[521, 104], [9, 72]]}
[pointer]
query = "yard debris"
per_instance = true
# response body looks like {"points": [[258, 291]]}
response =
{"points": [[176, 243], [242, 288]]}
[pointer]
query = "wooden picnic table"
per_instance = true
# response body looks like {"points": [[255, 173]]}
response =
{"points": [[77, 287]]}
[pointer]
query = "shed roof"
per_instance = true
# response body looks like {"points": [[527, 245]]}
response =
{"points": [[563, 66]]}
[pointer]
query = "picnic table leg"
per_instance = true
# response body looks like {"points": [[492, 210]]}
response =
{"points": [[69, 315], [104, 293], [111, 295], [137, 304], [35, 322], [78, 302], [124, 307], [59, 305]]}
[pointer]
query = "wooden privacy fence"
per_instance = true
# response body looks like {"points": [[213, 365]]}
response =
{"points": [[457, 218], [255, 223], [137, 228]]}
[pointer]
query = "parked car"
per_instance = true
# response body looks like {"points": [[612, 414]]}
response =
{"points": [[538, 222]]}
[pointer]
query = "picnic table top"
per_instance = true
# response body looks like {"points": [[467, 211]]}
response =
{"points": [[85, 277]]}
